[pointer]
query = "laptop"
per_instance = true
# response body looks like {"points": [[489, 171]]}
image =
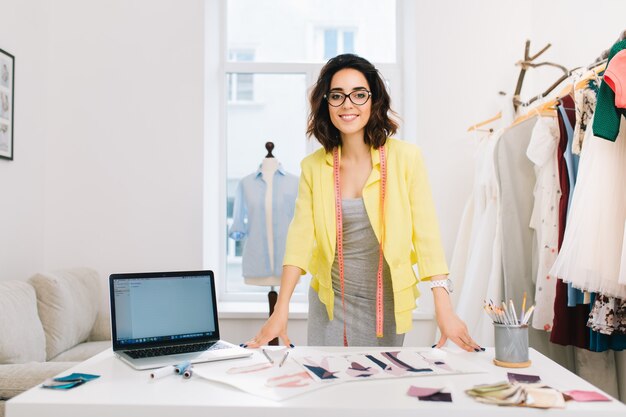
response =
{"points": [[166, 318]]}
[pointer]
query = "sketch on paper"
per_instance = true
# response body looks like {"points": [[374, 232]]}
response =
{"points": [[309, 369], [374, 365]]}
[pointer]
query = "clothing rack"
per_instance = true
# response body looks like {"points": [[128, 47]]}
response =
{"points": [[527, 63]]}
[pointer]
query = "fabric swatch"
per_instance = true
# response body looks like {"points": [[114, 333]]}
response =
{"points": [[421, 391], [584, 396], [68, 381], [440, 396], [523, 378], [429, 394]]}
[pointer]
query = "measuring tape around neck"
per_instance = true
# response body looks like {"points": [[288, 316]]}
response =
{"points": [[339, 222]]}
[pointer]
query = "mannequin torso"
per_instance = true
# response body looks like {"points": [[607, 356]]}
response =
{"points": [[268, 168]]}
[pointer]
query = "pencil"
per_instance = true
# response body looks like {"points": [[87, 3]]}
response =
{"points": [[489, 312], [283, 360], [528, 314], [267, 356], [502, 316], [513, 312], [523, 306], [506, 314]]}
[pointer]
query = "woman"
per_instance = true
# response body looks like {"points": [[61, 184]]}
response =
{"points": [[370, 188]]}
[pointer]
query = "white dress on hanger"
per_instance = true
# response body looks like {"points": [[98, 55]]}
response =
{"points": [[483, 274], [458, 265], [542, 152], [590, 256]]}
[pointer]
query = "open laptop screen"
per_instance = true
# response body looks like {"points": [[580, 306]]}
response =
{"points": [[167, 309]]}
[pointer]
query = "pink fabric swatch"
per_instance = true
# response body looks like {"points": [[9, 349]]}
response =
{"points": [[584, 396], [422, 392]]}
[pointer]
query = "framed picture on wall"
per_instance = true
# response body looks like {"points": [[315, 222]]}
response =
{"points": [[7, 91]]}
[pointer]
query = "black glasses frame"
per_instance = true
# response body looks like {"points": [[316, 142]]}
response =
{"points": [[345, 96]]}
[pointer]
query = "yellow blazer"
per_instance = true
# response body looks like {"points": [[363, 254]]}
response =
{"points": [[411, 229]]}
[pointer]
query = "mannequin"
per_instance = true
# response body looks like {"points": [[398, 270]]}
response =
{"points": [[263, 208], [268, 169]]}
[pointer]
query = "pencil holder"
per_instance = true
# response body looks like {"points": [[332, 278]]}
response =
{"points": [[511, 345]]}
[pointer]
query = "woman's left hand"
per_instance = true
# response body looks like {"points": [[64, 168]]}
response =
{"points": [[450, 325]]}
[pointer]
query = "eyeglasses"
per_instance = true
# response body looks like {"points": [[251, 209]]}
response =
{"points": [[357, 97]]}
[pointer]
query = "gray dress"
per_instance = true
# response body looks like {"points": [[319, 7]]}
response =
{"points": [[360, 248]]}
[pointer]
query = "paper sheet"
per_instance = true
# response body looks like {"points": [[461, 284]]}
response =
{"points": [[306, 370]]}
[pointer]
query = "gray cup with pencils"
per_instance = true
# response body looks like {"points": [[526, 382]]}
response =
{"points": [[511, 345], [511, 333]]}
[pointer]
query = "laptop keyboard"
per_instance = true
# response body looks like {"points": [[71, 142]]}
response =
{"points": [[175, 350]]}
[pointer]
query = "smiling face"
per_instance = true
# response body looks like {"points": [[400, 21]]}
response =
{"points": [[349, 118]]}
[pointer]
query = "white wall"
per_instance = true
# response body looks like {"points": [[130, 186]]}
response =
{"points": [[124, 155], [581, 34], [23, 33]]}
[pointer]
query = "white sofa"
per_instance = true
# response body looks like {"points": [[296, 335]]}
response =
{"points": [[47, 325]]}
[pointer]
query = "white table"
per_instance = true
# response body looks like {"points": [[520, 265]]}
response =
{"points": [[122, 391]]}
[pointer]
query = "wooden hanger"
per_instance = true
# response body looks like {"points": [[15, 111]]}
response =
{"points": [[546, 109], [593, 72], [486, 122]]}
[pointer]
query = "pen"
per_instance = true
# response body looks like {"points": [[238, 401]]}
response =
{"points": [[267, 356], [283, 360], [161, 372]]}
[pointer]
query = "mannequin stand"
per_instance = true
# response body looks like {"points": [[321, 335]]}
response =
{"points": [[272, 296]]}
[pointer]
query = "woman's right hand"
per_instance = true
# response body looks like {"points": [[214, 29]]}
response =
{"points": [[275, 326]]}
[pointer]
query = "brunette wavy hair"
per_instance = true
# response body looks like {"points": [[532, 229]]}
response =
{"points": [[379, 126]]}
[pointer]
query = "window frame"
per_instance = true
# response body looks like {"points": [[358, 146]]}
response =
{"points": [[340, 40], [217, 66], [233, 88]]}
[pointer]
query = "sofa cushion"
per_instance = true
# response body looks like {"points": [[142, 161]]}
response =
{"points": [[102, 328], [68, 304], [15, 379], [82, 351], [21, 335]]}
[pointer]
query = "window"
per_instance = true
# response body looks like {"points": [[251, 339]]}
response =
{"points": [[240, 86], [272, 52], [338, 41]]}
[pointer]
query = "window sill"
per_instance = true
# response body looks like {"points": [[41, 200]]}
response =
{"points": [[297, 311]]}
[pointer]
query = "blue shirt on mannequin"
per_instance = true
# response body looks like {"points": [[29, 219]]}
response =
{"points": [[249, 221]]}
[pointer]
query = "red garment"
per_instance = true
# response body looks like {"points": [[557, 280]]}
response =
{"points": [[615, 78], [570, 323]]}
